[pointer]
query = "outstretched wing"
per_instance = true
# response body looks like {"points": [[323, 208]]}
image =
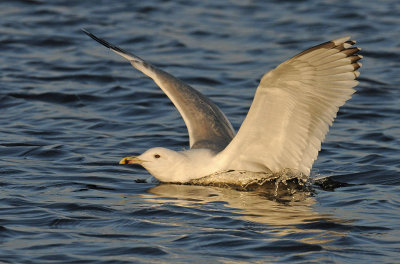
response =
{"points": [[293, 107], [207, 125]]}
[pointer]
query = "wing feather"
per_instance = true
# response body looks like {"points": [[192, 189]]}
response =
{"points": [[293, 107]]}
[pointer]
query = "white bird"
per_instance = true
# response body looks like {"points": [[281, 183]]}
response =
{"points": [[293, 107]]}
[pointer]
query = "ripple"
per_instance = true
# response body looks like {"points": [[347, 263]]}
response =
{"points": [[59, 98], [291, 246], [149, 251], [71, 207]]}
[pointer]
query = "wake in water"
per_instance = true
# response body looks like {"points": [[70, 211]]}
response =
{"points": [[285, 180], [286, 185]]}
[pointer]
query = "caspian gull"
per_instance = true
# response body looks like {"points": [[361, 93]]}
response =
{"points": [[293, 107]]}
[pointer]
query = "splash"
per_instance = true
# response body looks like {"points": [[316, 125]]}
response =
{"points": [[288, 181]]}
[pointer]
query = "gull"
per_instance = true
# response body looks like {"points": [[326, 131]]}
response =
{"points": [[292, 110]]}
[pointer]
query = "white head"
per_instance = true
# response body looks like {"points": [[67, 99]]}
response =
{"points": [[162, 163]]}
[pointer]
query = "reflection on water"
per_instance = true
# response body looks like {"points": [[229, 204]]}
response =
{"points": [[285, 213]]}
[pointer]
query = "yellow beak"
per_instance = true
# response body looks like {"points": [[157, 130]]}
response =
{"points": [[131, 160]]}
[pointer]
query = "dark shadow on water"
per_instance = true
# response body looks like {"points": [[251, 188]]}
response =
{"points": [[329, 184]]}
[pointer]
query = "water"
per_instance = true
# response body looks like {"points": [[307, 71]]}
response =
{"points": [[70, 109]]}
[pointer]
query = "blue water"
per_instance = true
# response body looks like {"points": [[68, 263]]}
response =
{"points": [[71, 109]]}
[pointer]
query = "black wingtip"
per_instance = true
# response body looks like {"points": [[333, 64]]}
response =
{"points": [[84, 30], [103, 42], [87, 32]]}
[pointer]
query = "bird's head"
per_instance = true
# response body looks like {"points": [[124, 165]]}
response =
{"points": [[162, 163]]}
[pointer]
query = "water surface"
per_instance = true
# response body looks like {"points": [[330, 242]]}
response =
{"points": [[70, 109]]}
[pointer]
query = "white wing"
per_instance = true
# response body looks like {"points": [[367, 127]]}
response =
{"points": [[207, 125], [292, 110]]}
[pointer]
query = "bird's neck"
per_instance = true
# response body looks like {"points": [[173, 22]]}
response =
{"points": [[198, 163]]}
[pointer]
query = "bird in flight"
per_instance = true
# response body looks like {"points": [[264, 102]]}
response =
{"points": [[292, 110]]}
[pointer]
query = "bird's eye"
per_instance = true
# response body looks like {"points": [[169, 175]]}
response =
{"points": [[157, 156]]}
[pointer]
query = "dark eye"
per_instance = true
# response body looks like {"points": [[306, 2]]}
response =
{"points": [[157, 156]]}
